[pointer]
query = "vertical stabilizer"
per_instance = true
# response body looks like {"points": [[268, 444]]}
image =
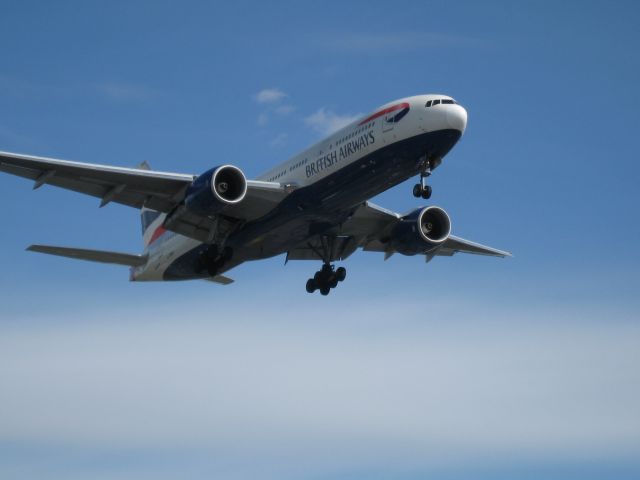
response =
{"points": [[151, 219]]}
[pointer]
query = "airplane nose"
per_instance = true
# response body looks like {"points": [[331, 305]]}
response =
{"points": [[457, 117]]}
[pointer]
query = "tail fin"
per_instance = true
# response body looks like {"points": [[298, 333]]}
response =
{"points": [[151, 220], [151, 226]]}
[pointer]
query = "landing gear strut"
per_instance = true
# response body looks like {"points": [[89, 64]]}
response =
{"points": [[326, 278], [422, 189], [212, 259]]}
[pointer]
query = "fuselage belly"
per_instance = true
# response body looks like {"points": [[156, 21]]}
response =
{"points": [[331, 178]]}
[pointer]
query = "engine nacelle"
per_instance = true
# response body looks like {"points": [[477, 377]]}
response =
{"points": [[421, 231], [216, 189]]}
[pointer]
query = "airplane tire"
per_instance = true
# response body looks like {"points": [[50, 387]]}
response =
{"points": [[341, 274], [334, 282], [324, 290], [311, 285], [426, 193], [417, 190]]}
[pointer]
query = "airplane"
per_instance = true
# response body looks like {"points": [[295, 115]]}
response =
{"points": [[314, 206]]}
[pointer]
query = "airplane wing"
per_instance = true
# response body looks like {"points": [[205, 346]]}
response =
{"points": [[367, 229], [137, 187]]}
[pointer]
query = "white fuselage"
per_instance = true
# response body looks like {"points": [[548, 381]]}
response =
{"points": [[327, 157], [418, 120]]}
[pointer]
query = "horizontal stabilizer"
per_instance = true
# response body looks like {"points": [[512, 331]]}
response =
{"points": [[91, 255]]}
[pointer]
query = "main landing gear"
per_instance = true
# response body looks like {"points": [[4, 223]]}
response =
{"points": [[213, 259], [422, 189], [326, 278]]}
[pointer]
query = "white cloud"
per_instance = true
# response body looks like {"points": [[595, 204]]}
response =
{"points": [[263, 119], [279, 140], [291, 396], [284, 109], [269, 95], [326, 121]]}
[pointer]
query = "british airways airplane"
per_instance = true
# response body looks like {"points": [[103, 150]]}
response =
{"points": [[312, 207]]}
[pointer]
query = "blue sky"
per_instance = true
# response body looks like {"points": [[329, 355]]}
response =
{"points": [[465, 368]]}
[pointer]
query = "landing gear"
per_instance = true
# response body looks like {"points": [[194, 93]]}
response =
{"points": [[212, 259], [422, 189], [326, 278]]}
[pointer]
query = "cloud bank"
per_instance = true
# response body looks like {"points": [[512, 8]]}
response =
{"points": [[284, 396]]}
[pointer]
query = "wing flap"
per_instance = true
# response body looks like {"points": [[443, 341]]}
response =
{"points": [[101, 256]]}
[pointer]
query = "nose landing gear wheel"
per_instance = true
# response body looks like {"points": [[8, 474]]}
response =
{"points": [[422, 189]]}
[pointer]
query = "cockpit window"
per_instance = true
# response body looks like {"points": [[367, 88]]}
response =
{"points": [[444, 101]]}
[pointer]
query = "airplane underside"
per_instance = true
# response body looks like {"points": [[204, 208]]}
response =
{"points": [[312, 211]]}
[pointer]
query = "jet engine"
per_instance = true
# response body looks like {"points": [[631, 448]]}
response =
{"points": [[216, 189], [421, 231]]}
